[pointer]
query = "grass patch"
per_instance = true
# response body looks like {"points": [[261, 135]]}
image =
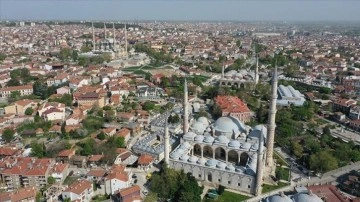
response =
{"points": [[280, 160], [282, 173], [267, 188], [131, 68], [99, 198], [70, 179], [231, 197]]}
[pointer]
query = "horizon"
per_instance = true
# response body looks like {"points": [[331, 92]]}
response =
{"points": [[180, 10]]}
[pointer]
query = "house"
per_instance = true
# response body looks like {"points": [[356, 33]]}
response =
{"points": [[130, 194], [81, 191], [145, 161], [233, 106], [74, 120], [79, 161], [95, 160], [125, 133], [109, 131], [91, 99], [57, 80], [63, 90], [51, 111], [65, 155], [60, 171], [126, 117], [24, 90], [95, 174], [19, 107], [27, 194], [343, 105], [115, 181]]}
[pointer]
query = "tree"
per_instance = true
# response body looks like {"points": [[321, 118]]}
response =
{"points": [[148, 106], [151, 197], [221, 189], [8, 135], [297, 149], [37, 150], [323, 162], [101, 136], [65, 53], [120, 142], [2, 57], [29, 111], [109, 115], [13, 82], [174, 119], [51, 180]]}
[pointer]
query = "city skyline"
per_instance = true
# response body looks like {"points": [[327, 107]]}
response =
{"points": [[180, 10]]}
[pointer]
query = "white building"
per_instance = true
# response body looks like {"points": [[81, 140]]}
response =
{"points": [[81, 191], [115, 182]]}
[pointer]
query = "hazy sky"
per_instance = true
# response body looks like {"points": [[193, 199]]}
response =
{"points": [[241, 10]]}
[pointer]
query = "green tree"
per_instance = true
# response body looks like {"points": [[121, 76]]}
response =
{"points": [[101, 136], [8, 135], [85, 49], [109, 115], [29, 111], [148, 106], [51, 180], [74, 55], [65, 53], [323, 162], [120, 142], [13, 82], [151, 197], [38, 150], [297, 149], [2, 57]]}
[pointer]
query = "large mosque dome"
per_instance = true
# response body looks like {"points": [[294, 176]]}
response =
{"points": [[228, 126], [306, 197], [278, 198]]}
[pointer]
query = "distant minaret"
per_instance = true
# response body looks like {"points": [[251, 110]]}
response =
{"points": [[271, 121], [126, 42], [114, 40], [257, 70], [93, 36], [223, 71], [186, 109], [260, 165], [166, 143], [104, 31]]}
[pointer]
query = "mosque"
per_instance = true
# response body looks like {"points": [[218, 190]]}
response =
{"points": [[226, 152]]}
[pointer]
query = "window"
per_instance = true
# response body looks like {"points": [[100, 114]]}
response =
{"points": [[219, 180], [249, 186], [239, 184], [199, 175], [229, 182]]}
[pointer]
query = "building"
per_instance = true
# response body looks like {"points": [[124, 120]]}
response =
{"points": [[60, 171], [90, 99], [81, 191], [240, 79], [149, 93], [343, 105], [26, 172], [288, 96], [52, 111], [145, 161], [233, 106], [27, 194], [63, 90], [19, 107], [24, 90], [130, 194], [115, 181]]}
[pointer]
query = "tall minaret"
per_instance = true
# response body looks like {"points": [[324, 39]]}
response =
{"points": [[126, 42], [93, 36], [223, 71], [114, 40], [260, 165], [271, 121], [104, 31], [257, 70], [186, 109], [166, 142]]}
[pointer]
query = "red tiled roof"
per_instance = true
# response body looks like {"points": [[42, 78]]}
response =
{"points": [[95, 158], [96, 172], [23, 194], [129, 190], [231, 104], [66, 153], [79, 187], [145, 159], [59, 168], [7, 151]]}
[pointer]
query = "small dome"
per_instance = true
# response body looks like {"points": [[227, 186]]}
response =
{"points": [[257, 130], [208, 139], [278, 198], [211, 162], [240, 169], [184, 157], [201, 161], [230, 167], [255, 146], [199, 138], [203, 120], [175, 155], [234, 144], [221, 165], [306, 197], [198, 127], [246, 146], [185, 145], [193, 159], [222, 139], [189, 135]]}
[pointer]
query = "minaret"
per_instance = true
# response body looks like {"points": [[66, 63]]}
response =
{"points": [[271, 120], [114, 40], [223, 71], [260, 165], [186, 109], [126, 42], [257, 70], [104, 31], [93, 36], [166, 143]]}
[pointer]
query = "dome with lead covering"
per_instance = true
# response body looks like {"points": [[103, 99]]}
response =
{"points": [[234, 144], [246, 145], [184, 157], [198, 127], [221, 165], [189, 135], [230, 167], [208, 139], [228, 124], [199, 138], [222, 139], [306, 197], [203, 120], [193, 159], [278, 198], [211, 162], [201, 161]]}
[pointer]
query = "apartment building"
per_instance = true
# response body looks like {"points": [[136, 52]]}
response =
{"points": [[24, 90], [81, 191]]}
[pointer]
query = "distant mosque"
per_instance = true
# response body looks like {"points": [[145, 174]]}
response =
{"points": [[226, 152]]}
